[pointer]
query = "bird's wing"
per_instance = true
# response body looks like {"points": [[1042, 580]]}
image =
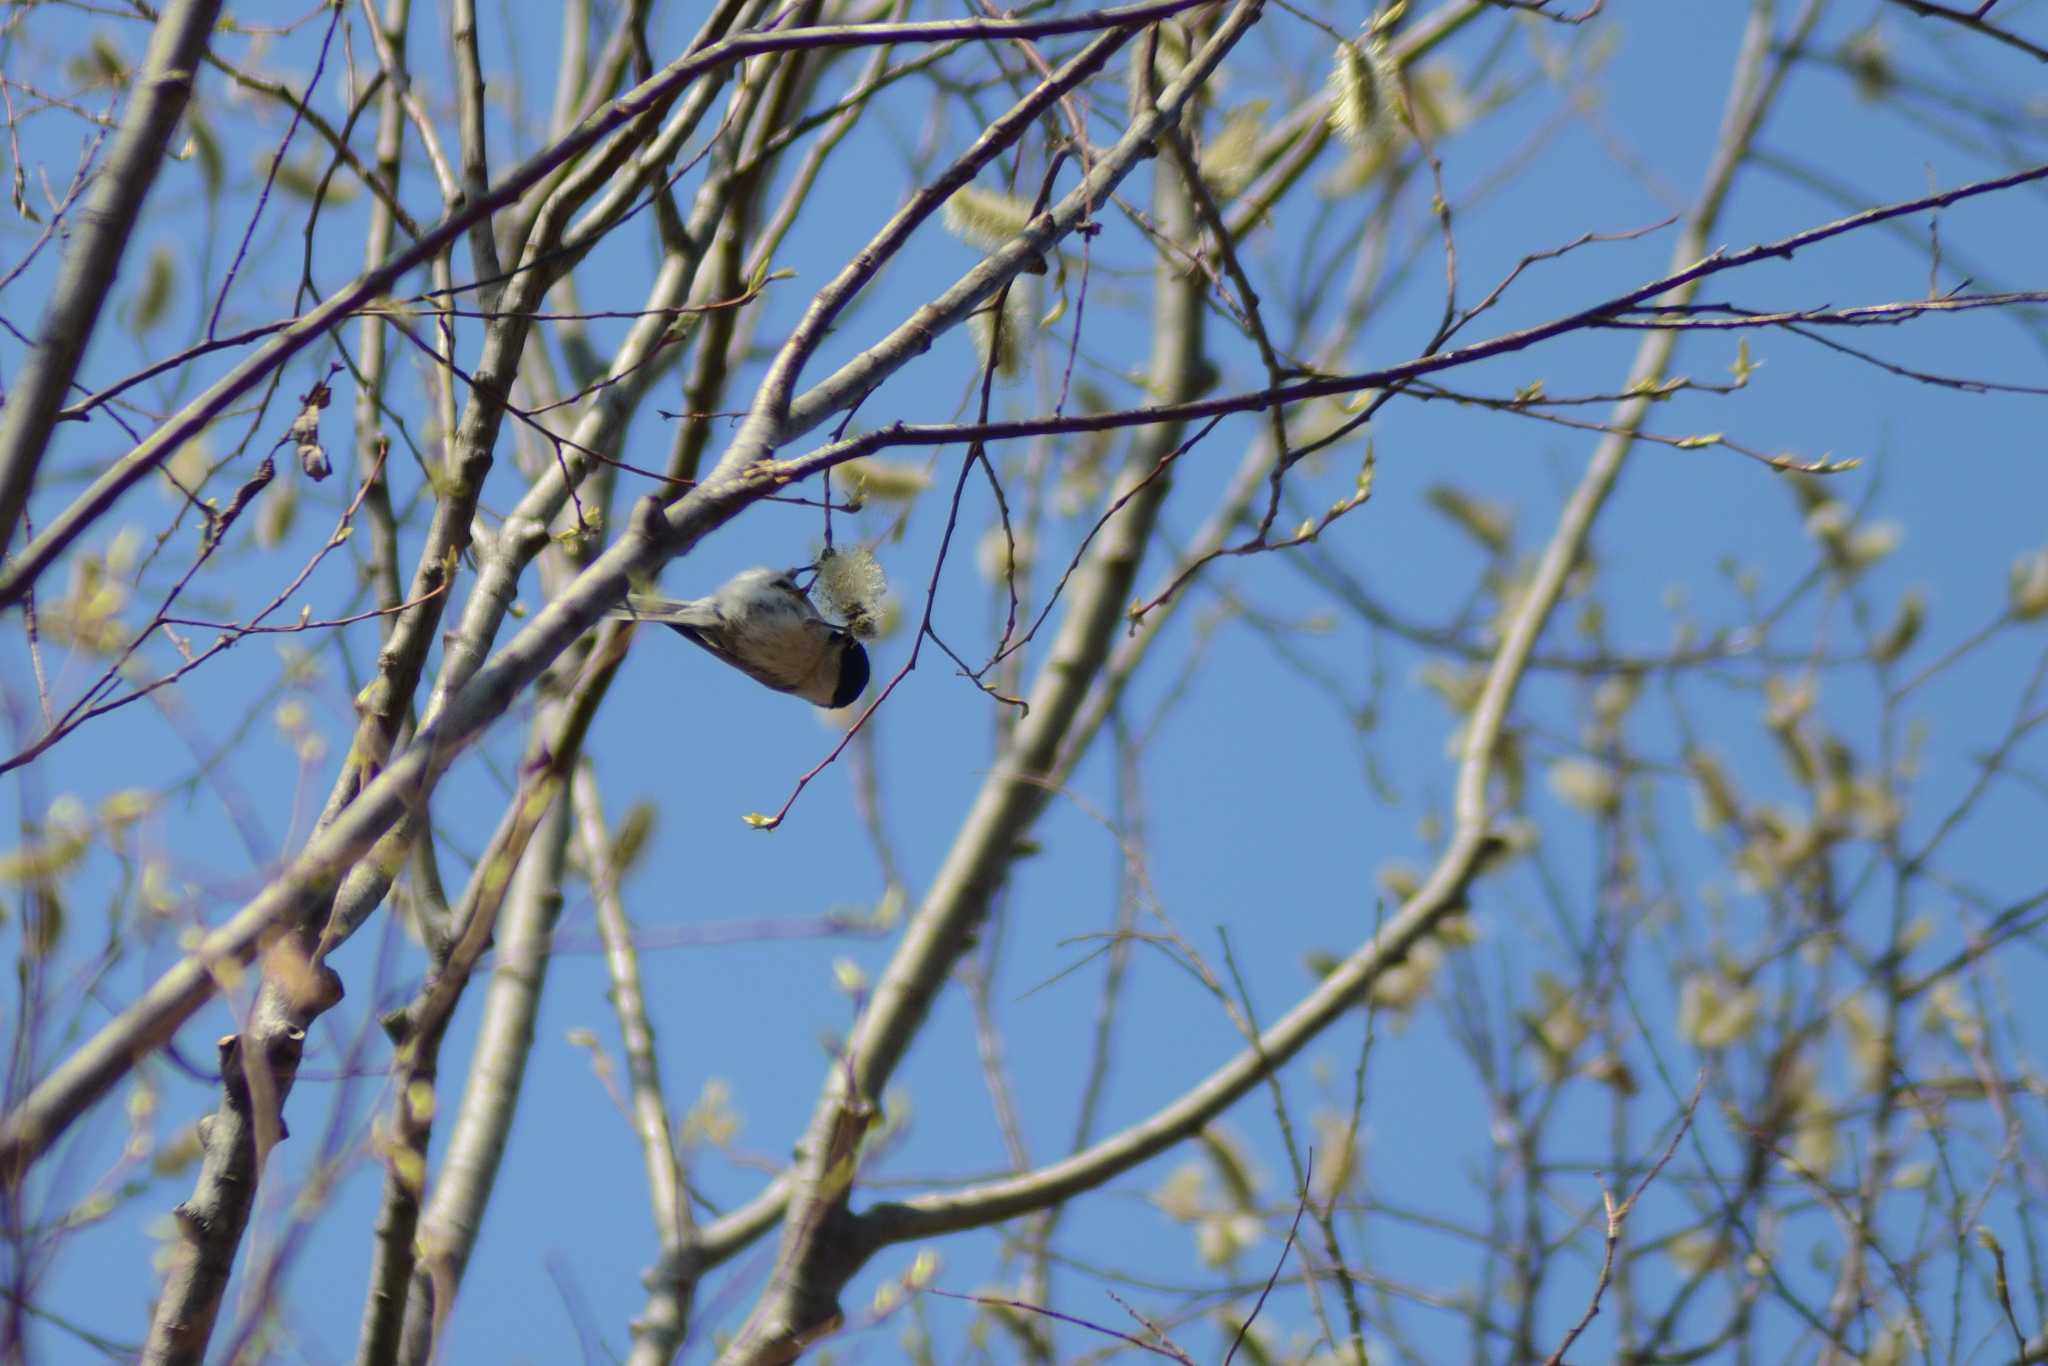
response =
{"points": [[766, 677], [695, 613], [700, 621], [696, 620]]}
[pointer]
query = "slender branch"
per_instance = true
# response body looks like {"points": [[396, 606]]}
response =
{"points": [[469, 103], [658, 1330], [382, 187], [1681, 278], [371, 445], [1159, 1348], [1617, 1216], [1975, 22], [232, 633]]}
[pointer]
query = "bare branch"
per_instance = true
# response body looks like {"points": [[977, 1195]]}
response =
{"points": [[162, 87]]}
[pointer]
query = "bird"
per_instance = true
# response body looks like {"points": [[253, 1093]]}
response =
{"points": [[760, 622]]}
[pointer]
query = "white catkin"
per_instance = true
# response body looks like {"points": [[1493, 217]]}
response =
{"points": [[853, 587], [1365, 93], [985, 218]]}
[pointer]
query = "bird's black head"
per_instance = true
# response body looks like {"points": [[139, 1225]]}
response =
{"points": [[853, 674]]}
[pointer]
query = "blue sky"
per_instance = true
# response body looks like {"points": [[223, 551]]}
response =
{"points": [[1264, 811]]}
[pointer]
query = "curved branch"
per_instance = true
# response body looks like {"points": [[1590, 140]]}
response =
{"points": [[1472, 840]]}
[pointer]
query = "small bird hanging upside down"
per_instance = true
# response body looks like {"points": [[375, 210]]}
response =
{"points": [[762, 624]]}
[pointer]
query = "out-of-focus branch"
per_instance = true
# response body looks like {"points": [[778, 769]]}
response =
{"points": [[573, 69], [385, 190], [162, 88], [806, 175], [372, 346], [421, 1026], [454, 1211], [400, 80], [476, 167], [658, 1331], [232, 1140]]}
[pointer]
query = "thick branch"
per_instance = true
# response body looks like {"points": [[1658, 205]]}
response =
{"points": [[199, 1260], [449, 1224]]}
